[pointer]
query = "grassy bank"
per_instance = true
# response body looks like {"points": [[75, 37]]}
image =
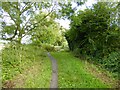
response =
{"points": [[74, 73], [25, 66]]}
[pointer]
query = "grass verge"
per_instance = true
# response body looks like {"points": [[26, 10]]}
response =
{"points": [[25, 66], [72, 73]]}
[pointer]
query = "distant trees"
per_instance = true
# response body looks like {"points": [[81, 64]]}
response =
{"points": [[48, 31]]}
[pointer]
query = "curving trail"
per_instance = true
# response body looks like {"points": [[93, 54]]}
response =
{"points": [[54, 79]]}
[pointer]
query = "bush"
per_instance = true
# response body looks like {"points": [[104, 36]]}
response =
{"points": [[66, 48], [48, 47], [76, 52], [58, 48], [111, 62]]}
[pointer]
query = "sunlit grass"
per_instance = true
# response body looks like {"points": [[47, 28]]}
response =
{"points": [[40, 76], [27, 66], [72, 73]]}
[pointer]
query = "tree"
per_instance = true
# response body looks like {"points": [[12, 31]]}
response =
{"points": [[20, 15], [91, 27], [48, 31], [67, 11], [95, 33]]}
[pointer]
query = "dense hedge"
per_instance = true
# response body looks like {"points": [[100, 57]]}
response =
{"points": [[95, 33]]}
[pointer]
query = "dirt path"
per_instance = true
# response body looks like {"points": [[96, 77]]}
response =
{"points": [[54, 79]]}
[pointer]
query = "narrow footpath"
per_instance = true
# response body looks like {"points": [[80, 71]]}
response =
{"points": [[54, 79]]}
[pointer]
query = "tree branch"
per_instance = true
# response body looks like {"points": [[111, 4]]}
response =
{"points": [[15, 33], [13, 6], [35, 24], [26, 24], [26, 8]]}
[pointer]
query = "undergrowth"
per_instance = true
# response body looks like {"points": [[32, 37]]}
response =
{"points": [[17, 58]]}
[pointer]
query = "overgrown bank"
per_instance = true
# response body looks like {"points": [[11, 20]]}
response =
{"points": [[25, 66], [76, 73]]}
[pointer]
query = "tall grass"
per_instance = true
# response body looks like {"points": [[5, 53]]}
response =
{"points": [[16, 59]]}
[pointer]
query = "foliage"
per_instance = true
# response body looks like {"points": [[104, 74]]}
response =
{"points": [[67, 10], [111, 62], [48, 47], [95, 33], [20, 15], [48, 32]]}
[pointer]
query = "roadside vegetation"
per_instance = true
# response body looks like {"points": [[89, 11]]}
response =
{"points": [[32, 29], [75, 73], [25, 66], [95, 35]]}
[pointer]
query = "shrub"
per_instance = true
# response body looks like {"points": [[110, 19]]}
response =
{"points": [[48, 47], [111, 62]]}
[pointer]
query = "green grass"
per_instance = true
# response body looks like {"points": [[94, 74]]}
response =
{"points": [[38, 76], [72, 73], [27, 66]]}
